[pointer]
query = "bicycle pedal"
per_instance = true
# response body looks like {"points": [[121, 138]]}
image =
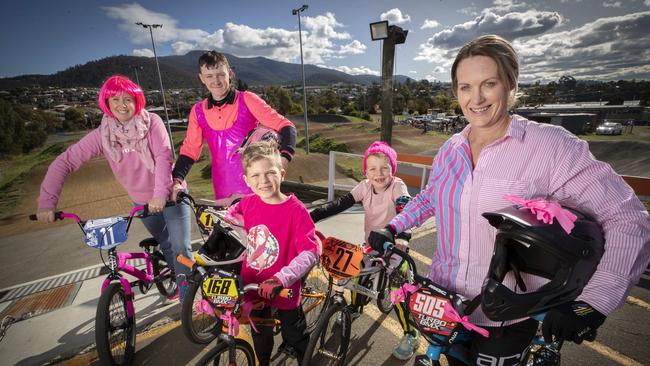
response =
{"points": [[287, 350], [422, 360]]}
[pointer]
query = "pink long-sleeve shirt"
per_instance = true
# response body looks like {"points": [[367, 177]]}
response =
{"points": [[531, 160], [140, 184]]}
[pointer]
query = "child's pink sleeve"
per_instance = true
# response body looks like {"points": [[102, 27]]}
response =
{"points": [[235, 215]]}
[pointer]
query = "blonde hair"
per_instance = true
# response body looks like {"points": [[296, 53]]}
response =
{"points": [[498, 49], [261, 150]]}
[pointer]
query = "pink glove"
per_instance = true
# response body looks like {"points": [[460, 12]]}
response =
{"points": [[270, 288]]}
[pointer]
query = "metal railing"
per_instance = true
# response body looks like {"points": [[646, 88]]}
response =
{"points": [[403, 167], [640, 185]]}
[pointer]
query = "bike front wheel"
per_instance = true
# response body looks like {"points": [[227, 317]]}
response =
{"points": [[164, 276], [199, 328], [114, 328], [328, 344], [244, 355], [383, 299], [314, 294]]}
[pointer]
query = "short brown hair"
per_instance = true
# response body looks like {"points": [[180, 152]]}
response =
{"points": [[261, 150], [212, 59], [501, 52]]}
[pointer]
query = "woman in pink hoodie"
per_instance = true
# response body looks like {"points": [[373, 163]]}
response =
{"points": [[136, 146]]}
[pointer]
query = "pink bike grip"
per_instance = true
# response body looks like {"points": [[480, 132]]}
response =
{"points": [[136, 209], [65, 215]]}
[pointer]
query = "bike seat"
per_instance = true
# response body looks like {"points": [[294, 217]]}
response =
{"points": [[148, 242]]}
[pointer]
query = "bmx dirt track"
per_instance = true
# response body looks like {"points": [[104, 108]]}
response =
{"points": [[93, 191]]}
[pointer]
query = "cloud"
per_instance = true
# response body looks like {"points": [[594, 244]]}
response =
{"points": [[428, 23], [412, 72], [395, 16], [607, 48], [361, 70], [129, 14], [321, 36], [355, 47], [143, 52], [470, 10], [509, 26], [612, 4]]}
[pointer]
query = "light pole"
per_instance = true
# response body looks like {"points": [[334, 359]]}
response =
{"points": [[162, 91], [304, 91], [390, 36]]}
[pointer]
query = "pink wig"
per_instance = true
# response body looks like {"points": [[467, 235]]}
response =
{"points": [[116, 85]]}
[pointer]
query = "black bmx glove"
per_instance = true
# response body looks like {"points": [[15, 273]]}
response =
{"points": [[573, 321], [377, 238]]}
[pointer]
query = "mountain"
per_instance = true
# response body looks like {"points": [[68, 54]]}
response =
{"points": [[181, 72]]}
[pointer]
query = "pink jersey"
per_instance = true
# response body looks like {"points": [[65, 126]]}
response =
{"points": [[277, 234]]}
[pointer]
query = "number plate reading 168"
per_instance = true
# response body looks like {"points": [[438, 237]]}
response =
{"points": [[221, 291]]}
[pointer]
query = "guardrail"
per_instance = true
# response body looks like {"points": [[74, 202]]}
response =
{"points": [[410, 162], [404, 167]]}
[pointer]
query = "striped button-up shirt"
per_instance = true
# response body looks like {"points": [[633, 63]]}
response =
{"points": [[532, 160]]}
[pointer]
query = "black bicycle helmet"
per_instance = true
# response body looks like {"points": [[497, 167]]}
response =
{"points": [[224, 249], [526, 245]]}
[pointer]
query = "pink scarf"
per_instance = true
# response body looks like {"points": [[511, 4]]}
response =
{"points": [[118, 138]]}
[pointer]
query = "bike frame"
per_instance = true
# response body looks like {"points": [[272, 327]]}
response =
{"points": [[117, 262]]}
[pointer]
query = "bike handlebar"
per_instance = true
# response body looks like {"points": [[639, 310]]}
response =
{"points": [[60, 215], [285, 292]]}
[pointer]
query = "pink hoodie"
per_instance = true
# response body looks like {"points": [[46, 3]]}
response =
{"points": [[140, 184]]}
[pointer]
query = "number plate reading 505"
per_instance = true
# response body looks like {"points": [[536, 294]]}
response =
{"points": [[221, 291]]}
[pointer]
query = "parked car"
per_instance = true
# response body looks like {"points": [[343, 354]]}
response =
{"points": [[609, 128]]}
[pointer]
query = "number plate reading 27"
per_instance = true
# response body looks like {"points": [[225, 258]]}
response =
{"points": [[222, 292], [341, 259]]}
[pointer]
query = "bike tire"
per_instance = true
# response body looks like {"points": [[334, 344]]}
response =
{"points": [[114, 329], [164, 276], [315, 294], [319, 350], [199, 328], [219, 354], [383, 299]]}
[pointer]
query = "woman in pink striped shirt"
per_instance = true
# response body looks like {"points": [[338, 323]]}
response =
{"points": [[500, 153]]}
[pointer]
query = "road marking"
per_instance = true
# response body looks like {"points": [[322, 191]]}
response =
{"points": [[617, 357], [638, 302], [392, 325]]}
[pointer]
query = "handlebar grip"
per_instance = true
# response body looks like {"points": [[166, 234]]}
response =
{"points": [[185, 261], [287, 293]]}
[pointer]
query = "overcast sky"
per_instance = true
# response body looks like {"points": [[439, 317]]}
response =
{"points": [[589, 39]]}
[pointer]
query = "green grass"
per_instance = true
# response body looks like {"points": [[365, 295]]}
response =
{"points": [[351, 167], [16, 170]]}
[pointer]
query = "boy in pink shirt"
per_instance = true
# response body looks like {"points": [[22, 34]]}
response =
{"points": [[282, 247], [382, 195]]}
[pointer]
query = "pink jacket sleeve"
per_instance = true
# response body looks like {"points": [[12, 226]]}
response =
{"points": [[264, 113], [162, 155], [69, 161]]}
